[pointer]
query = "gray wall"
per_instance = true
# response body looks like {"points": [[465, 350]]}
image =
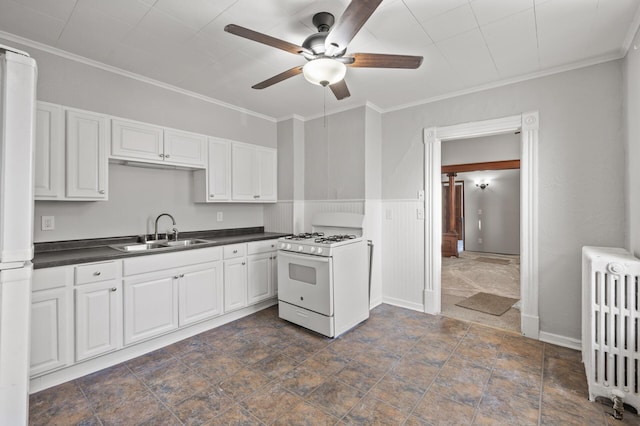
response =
{"points": [[496, 208], [335, 156], [632, 127], [581, 164], [285, 160], [135, 193], [481, 150]]}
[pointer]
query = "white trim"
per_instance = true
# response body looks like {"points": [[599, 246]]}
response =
{"points": [[528, 123], [564, 341], [403, 303], [100, 65]]}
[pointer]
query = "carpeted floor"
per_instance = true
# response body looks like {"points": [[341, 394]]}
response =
{"points": [[471, 273]]}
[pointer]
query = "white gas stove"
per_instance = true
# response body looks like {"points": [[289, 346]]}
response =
{"points": [[323, 275], [316, 243]]}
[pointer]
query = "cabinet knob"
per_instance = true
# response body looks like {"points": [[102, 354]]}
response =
{"points": [[96, 273], [167, 156], [256, 196], [101, 191], [273, 245], [175, 277], [161, 155], [114, 289], [181, 275], [211, 195], [243, 263], [235, 251]]}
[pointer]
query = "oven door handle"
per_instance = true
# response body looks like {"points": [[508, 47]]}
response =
{"points": [[303, 257]]}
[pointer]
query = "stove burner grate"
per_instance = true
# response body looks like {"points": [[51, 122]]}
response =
{"points": [[304, 236], [334, 239]]}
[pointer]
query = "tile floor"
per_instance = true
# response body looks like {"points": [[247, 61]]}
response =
{"points": [[399, 367]]}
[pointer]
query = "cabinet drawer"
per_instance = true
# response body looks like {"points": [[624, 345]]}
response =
{"points": [[266, 246], [235, 250], [48, 278], [95, 272]]}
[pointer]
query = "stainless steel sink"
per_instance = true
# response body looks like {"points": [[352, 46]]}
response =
{"points": [[159, 245], [186, 243]]}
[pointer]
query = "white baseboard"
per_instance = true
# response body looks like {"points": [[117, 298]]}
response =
{"points": [[530, 326], [564, 341], [432, 302], [403, 303], [375, 302]]}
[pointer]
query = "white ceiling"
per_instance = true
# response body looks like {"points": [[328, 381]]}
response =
{"points": [[466, 44]]}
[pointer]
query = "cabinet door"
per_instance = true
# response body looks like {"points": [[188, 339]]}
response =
{"points": [[150, 307], [235, 284], [98, 308], [267, 160], [86, 155], [200, 293], [244, 173], [183, 148], [219, 171], [259, 277], [49, 330], [138, 141], [49, 152]]}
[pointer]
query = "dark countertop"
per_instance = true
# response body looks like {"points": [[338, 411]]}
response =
{"points": [[62, 253]]}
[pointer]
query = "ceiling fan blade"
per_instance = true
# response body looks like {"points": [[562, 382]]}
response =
{"points": [[348, 25], [381, 60], [278, 78], [340, 90], [265, 39]]}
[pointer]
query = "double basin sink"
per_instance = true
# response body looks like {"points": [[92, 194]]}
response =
{"points": [[159, 245]]}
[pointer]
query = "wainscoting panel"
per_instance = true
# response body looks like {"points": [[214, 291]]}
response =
{"points": [[312, 207], [278, 217], [403, 253]]}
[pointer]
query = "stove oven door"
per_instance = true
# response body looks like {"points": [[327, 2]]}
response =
{"points": [[306, 281]]}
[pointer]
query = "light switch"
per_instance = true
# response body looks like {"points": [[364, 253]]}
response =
{"points": [[421, 195], [420, 213], [219, 217], [48, 223]]}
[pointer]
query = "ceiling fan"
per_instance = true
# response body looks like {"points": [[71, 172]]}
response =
{"points": [[325, 50]]}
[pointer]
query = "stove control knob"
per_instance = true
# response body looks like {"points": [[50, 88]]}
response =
{"points": [[319, 250], [288, 246], [300, 248], [312, 249], [282, 245]]}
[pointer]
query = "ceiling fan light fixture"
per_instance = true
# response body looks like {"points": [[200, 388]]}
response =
{"points": [[324, 71]]}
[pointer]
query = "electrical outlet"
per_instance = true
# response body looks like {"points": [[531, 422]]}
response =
{"points": [[48, 223], [219, 217], [420, 212]]}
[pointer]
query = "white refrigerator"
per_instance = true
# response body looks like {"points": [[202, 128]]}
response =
{"points": [[18, 75]]}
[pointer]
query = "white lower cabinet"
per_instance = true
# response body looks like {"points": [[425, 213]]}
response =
{"points": [[151, 306], [98, 316], [235, 284], [200, 293], [262, 264], [49, 330]]}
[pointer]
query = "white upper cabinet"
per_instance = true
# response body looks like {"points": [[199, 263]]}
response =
{"points": [[132, 140], [49, 148], [254, 171], [219, 170], [87, 162], [185, 148]]}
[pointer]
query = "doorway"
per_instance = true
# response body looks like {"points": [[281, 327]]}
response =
{"points": [[482, 282], [528, 125]]}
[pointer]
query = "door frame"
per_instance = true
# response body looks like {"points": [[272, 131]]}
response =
{"points": [[528, 125]]}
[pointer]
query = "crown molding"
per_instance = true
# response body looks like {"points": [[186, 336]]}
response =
{"points": [[115, 70], [631, 34]]}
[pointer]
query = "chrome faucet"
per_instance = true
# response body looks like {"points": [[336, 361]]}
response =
{"points": [[175, 230]]}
